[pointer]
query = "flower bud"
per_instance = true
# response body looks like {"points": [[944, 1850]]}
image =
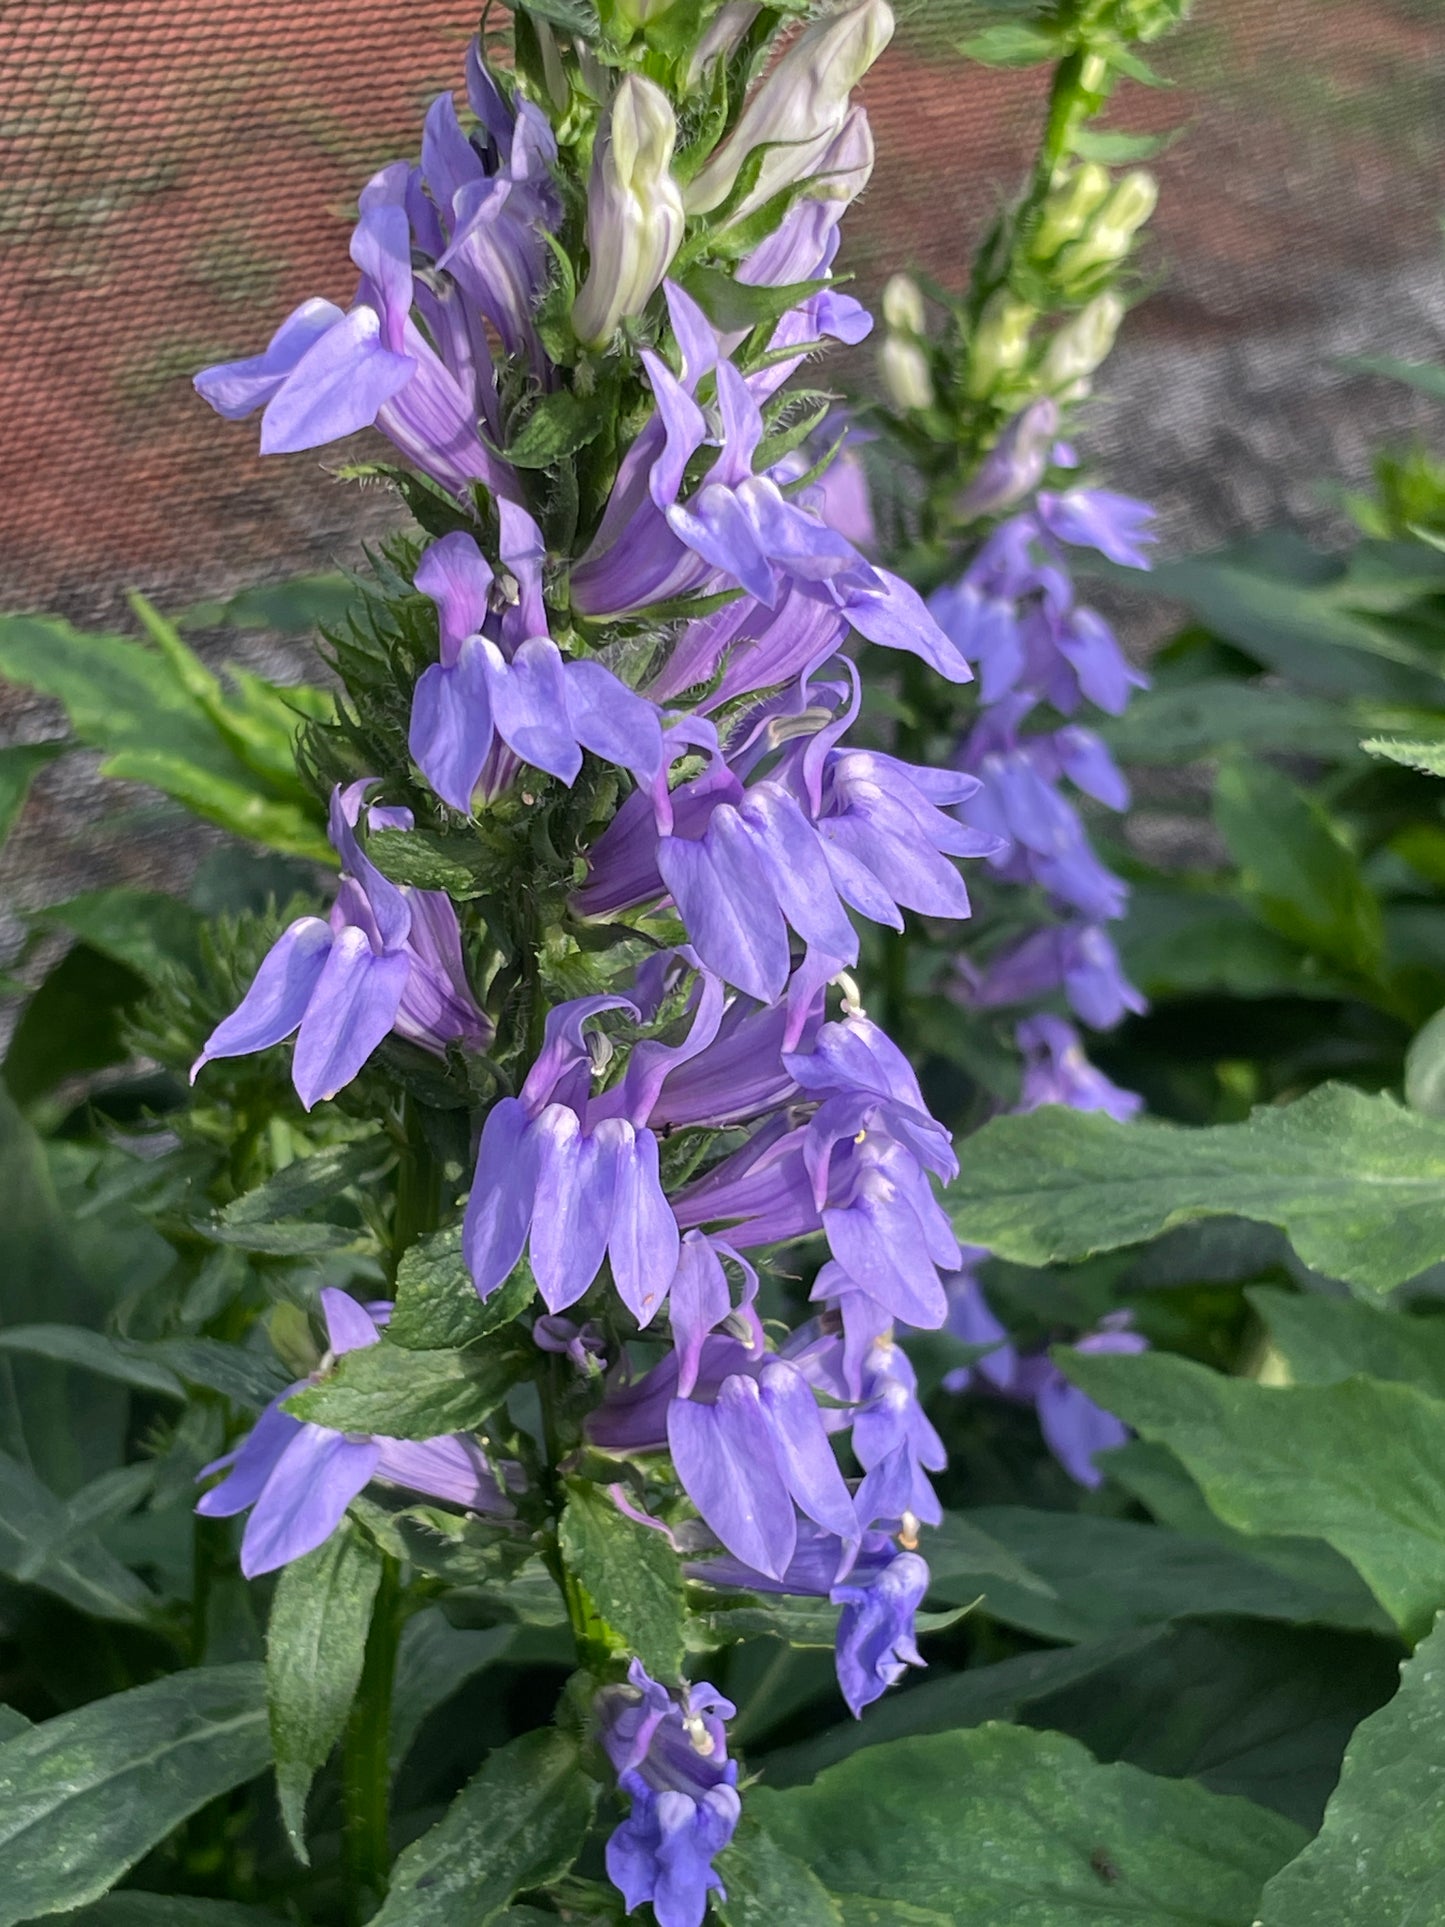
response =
{"points": [[725, 31], [1015, 465], [635, 215], [903, 305], [626, 17], [798, 108], [1000, 343], [1067, 211], [1111, 233], [1082, 343], [904, 368]]}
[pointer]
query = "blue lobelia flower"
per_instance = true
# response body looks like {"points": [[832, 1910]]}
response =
{"points": [[671, 1759], [1056, 1071], [297, 1479], [502, 694], [1078, 958], [388, 958]]}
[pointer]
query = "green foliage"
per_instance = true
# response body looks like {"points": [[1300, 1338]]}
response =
{"points": [[631, 1575], [404, 1394]]}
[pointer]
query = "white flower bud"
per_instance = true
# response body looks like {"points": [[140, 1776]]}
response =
{"points": [[1068, 209], [1000, 344], [1083, 342], [635, 215], [903, 305], [1111, 234], [904, 368], [798, 108], [724, 33]]}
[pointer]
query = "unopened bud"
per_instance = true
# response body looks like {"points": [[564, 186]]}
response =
{"points": [[1015, 465], [1082, 343], [903, 305], [904, 368], [1000, 343], [1069, 209], [798, 108], [635, 216], [627, 16], [1111, 234], [724, 33]]}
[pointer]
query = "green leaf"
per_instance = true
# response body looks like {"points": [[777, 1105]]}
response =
{"points": [[1356, 1182], [518, 1824], [572, 16], [20, 764], [1379, 1858], [315, 1646], [1171, 725], [631, 1574], [767, 1887], [83, 1797], [1425, 1068], [1296, 870], [1010, 44], [559, 427], [435, 1660], [294, 608], [273, 1217], [405, 1394], [437, 1307], [95, 1352], [146, 930], [128, 1908], [1429, 758], [72, 1025], [1325, 1340], [1081, 1577], [1183, 941], [40, 1546], [1425, 376], [230, 805], [732, 305], [456, 863], [249, 1378], [1360, 1464], [998, 1824], [1115, 148]]}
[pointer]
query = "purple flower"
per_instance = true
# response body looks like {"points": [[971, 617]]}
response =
{"points": [[891, 1419], [1117, 526], [971, 1320], [1075, 1429], [1016, 463], [502, 693], [1056, 1071], [1078, 958], [297, 1479], [389, 958], [670, 1756]]}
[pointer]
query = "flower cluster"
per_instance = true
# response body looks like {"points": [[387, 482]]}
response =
{"points": [[681, 624]]}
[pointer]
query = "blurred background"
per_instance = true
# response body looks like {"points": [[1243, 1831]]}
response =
{"points": [[176, 174]]}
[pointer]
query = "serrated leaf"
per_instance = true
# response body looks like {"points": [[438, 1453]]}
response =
{"points": [[518, 1824], [315, 1646], [732, 305], [405, 1394], [1356, 1182], [272, 1218], [1428, 758], [437, 1307], [428, 861], [229, 804], [560, 426], [1005, 1825], [1379, 1857], [631, 1574], [247, 1377], [84, 1796], [1359, 1464]]}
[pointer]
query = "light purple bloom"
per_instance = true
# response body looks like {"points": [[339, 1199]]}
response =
{"points": [[1056, 1071], [1117, 526], [1078, 958], [297, 1479], [1015, 465], [670, 1756], [388, 958], [1075, 1429], [504, 682], [890, 1417]]}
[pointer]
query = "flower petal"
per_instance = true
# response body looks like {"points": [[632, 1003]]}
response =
{"points": [[279, 995], [728, 1464], [504, 1190], [305, 1498], [354, 1006]]}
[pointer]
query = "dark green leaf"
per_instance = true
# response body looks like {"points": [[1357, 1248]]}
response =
{"points": [[72, 1025], [572, 16], [1010, 44], [1184, 941], [1174, 725], [1114, 148], [1379, 1858], [518, 1824], [20, 764], [131, 1909], [1324, 1340], [315, 1645], [631, 1574], [1080, 1577], [273, 1217], [145, 930], [437, 1306], [95, 1352], [1357, 1183], [453, 863], [1425, 1068], [235, 806], [1360, 1464], [767, 1887], [732, 305], [405, 1394], [41, 1546], [1295, 868], [998, 1824], [558, 427], [247, 1377], [436, 1659], [83, 1797], [293, 608]]}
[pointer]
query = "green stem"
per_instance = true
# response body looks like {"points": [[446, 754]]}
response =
{"points": [[418, 1187], [366, 1755]]}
